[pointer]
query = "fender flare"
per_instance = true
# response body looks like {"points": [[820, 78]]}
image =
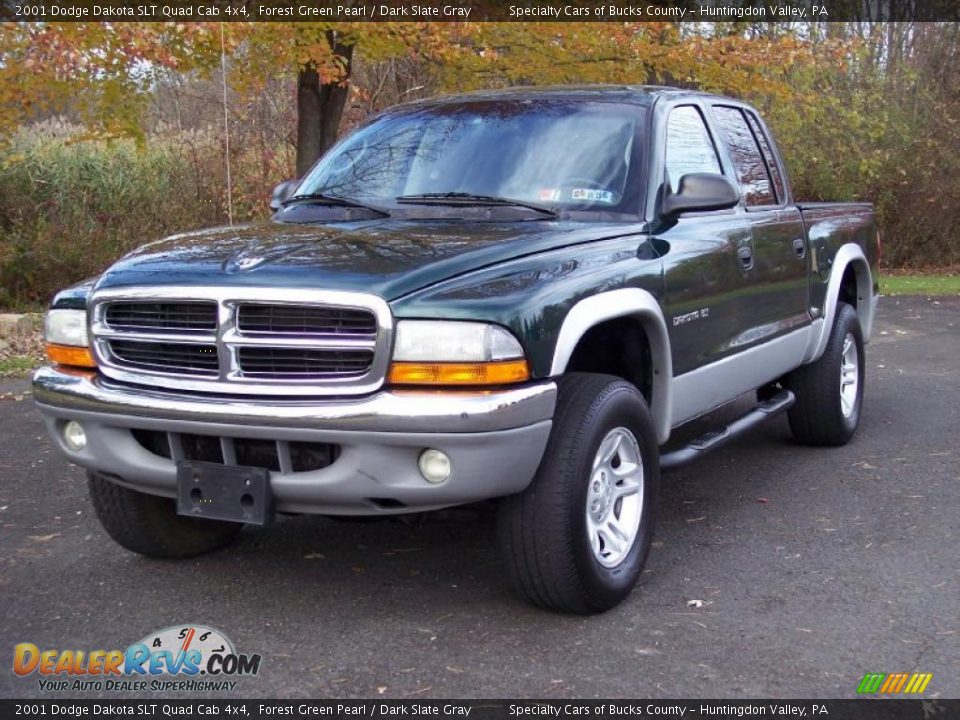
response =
{"points": [[848, 255], [626, 302]]}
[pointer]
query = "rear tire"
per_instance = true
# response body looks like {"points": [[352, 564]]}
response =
{"points": [[149, 525], [577, 538], [830, 391]]}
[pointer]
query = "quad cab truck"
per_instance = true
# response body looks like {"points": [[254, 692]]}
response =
{"points": [[512, 296]]}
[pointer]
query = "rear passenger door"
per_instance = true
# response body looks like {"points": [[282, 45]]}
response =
{"points": [[779, 299]]}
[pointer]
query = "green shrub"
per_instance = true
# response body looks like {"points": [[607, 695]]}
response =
{"points": [[70, 206], [865, 138]]}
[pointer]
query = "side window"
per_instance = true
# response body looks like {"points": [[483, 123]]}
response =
{"points": [[747, 160], [689, 147], [768, 156]]}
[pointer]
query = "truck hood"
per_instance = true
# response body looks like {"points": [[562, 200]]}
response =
{"points": [[390, 257]]}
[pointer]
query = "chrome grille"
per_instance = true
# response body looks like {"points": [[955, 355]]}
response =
{"points": [[162, 317], [305, 321], [296, 362], [244, 340], [166, 357]]}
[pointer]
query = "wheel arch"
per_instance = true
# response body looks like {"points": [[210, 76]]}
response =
{"points": [[850, 258], [625, 303]]}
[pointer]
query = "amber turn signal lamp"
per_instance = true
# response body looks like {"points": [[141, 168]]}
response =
{"points": [[486, 373], [70, 355]]}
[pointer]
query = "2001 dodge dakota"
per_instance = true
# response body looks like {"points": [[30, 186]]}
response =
{"points": [[513, 295]]}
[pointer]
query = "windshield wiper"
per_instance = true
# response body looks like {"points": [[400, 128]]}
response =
{"points": [[465, 198], [324, 199]]}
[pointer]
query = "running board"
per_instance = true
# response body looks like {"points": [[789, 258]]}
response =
{"points": [[712, 440]]}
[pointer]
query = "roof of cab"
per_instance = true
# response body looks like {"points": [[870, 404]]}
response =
{"points": [[638, 94]]}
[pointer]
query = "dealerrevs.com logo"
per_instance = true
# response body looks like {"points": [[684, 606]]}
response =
{"points": [[178, 658]]}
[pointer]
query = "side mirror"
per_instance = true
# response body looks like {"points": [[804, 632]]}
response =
{"points": [[281, 192], [700, 191]]}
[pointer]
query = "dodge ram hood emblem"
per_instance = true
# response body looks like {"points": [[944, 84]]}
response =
{"points": [[249, 262], [256, 254]]}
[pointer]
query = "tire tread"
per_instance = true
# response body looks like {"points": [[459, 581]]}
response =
{"points": [[815, 418], [542, 566], [148, 525]]}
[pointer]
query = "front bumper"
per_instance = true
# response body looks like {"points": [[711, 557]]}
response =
{"points": [[495, 439]]}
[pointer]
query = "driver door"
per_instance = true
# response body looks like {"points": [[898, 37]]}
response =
{"points": [[708, 269]]}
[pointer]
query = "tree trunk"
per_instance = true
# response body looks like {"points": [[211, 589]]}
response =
{"points": [[309, 115], [320, 108]]}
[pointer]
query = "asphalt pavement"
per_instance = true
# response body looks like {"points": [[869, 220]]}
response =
{"points": [[813, 566]]}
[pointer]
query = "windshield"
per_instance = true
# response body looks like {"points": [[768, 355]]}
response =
{"points": [[561, 154]]}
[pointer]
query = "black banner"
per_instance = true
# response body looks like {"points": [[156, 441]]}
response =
{"points": [[865, 709], [479, 10]]}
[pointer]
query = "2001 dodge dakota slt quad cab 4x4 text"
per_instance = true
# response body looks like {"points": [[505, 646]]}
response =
{"points": [[512, 295]]}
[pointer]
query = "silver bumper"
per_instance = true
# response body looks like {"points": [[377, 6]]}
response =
{"points": [[495, 439]]}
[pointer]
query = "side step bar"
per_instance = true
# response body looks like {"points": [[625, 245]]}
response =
{"points": [[712, 440]]}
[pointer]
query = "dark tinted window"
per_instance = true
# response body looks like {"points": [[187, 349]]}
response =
{"points": [[745, 154], [689, 147], [768, 156]]}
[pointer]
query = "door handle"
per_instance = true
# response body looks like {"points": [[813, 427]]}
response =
{"points": [[799, 247], [745, 255]]}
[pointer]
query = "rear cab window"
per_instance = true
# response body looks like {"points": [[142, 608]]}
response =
{"points": [[768, 156]]}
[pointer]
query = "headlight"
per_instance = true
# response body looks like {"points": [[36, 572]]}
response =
{"points": [[66, 327], [445, 352], [452, 341], [65, 333]]}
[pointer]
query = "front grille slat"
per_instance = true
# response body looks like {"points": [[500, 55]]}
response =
{"points": [[279, 363], [305, 320], [165, 317], [166, 357]]}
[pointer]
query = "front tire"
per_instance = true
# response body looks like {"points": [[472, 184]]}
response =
{"points": [[577, 538], [830, 391], [149, 525]]}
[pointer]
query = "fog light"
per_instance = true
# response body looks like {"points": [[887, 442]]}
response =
{"points": [[434, 466], [74, 436]]}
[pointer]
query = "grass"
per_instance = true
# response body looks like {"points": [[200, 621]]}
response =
{"points": [[18, 365], [22, 352], [920, 284]]}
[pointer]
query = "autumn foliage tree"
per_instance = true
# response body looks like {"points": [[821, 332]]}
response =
{"points": [[321, 57], [104, 71], [100, 72]]}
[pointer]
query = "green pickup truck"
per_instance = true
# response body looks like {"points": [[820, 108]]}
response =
{"points": [[512, 295]]}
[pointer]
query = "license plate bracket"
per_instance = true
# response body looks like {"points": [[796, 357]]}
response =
{"points": [[224, 492]]}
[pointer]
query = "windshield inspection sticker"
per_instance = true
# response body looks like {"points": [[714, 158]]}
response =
{"points": [[548, 194], [604, 196]]}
